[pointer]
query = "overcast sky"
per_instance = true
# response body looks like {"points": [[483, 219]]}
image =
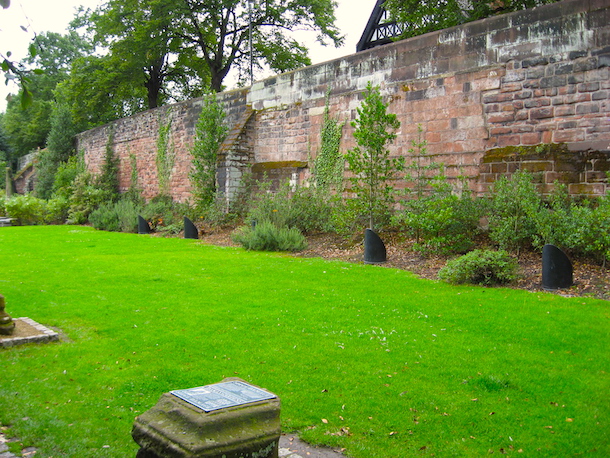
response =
{"points": [[47, 15]]}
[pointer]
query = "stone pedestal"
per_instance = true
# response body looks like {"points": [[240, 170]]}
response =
{"points": [[177, 428], [7, 326]]}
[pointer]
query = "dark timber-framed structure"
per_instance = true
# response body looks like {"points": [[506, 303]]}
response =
{"points": [[379, 29]]}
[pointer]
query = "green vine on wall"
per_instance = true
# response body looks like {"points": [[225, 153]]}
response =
{"points": [[166, 155], [134, 193], [329, 164], [108, 180]]}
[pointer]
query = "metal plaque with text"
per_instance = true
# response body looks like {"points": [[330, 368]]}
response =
{"points": [[223, 395]]}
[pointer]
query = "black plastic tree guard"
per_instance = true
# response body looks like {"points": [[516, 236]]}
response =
{"points": [[143, 227], [557, 269], [374, 248], [190, 230]]}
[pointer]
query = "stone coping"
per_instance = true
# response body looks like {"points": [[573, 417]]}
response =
{"points": [[41, 334]]}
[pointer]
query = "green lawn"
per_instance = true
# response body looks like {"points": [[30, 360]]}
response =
{"points": [[363, 357]]}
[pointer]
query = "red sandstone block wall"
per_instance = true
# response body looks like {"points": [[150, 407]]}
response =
{"points": [[521, 80]]}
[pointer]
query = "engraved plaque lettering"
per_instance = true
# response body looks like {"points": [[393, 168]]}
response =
{"points": [[223, 395]]}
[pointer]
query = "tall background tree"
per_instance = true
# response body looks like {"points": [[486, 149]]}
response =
{"points": [[219, 32], [16, 71], [27, 127], [143, 51], [195, 43], [60, 147]]}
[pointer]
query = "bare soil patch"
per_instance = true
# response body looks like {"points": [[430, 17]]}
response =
{"points": [[22, 329], [590, 279]]}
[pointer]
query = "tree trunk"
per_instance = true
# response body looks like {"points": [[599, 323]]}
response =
{"points": [[153, 87]]}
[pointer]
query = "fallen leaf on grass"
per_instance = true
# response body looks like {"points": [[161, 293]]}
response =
{"points": [[324, 420], [342, 432]]}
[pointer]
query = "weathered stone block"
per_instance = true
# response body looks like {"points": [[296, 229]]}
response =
{"points": [[7, 325], [174, 428], [541, 113], [532, 138], [583, 189]]}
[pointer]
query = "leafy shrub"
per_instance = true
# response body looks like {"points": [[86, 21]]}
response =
{"points": [[65, 176], [85, 198], [347, 218], [120, 216], [554, 220], [441, 221], [266, 236], [480, 267], [591, 236], [514, 204], [216, 216], [444, 225], [105, 217], [2, 202], [165, 215], [307, 209], [57, 210], [26, 209], [580, 228], [162, 214], [3, 165]]}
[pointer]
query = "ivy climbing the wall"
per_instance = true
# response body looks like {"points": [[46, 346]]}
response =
{"points": [[134, 193], [166, 155], [329, 164]]}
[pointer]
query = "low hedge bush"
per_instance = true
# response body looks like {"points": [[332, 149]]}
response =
{"points": [[121, 216], [481, 267], [266, 236], [25, 209], [307, 209]]}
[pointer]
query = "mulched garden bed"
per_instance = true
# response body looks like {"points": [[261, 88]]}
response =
{"points": [[591, 280]]}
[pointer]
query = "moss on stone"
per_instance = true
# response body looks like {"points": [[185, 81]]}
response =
{"points": [[263, 166], [529, 152]]}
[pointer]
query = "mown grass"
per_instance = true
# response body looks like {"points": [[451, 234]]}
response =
{"points": [[367, 358]]}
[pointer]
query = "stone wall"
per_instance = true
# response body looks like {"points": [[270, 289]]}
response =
{"points": [[489, 97], [138, 136]]}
